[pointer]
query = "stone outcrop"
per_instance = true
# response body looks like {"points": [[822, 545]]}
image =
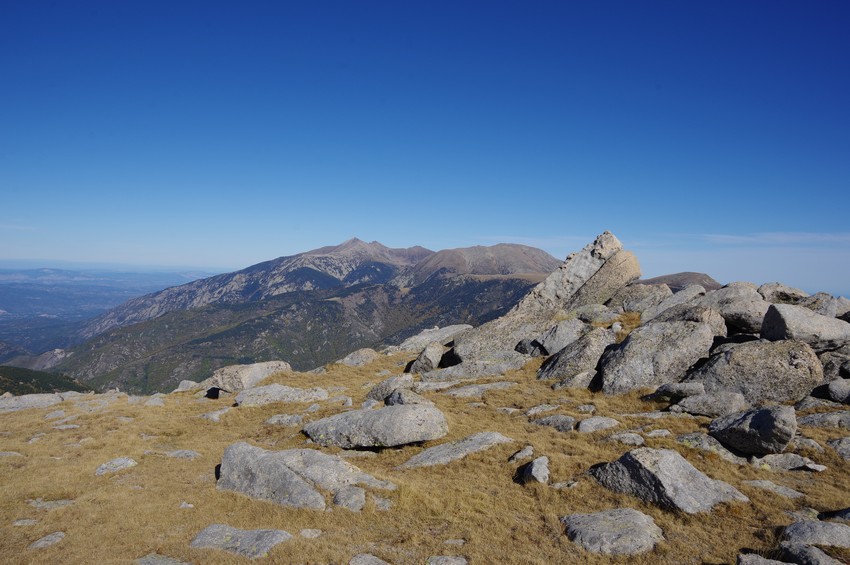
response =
{"points": [[712, 404], [619, 531], [291, 477], [764, 372], [756, 432], [639, 297], [247, 543], [440, 336], [269, 394], [741, 306], [581, 355], [448, 452], [684, 296], [665, 478], [786, 321], [385, 427], [360, 357], [236, 378], [386, 387]]}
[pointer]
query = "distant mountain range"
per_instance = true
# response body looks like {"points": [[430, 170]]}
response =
{"points": [[307, 309]]}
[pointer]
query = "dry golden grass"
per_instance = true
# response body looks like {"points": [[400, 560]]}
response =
{"points": [[118, 518]]}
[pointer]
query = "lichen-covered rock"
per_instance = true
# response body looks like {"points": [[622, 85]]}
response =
{"points": [[247, 543], [787, 321], [778, 293], [269, 394], [764, 372], [756, 432], [639, 297], [384, 427], [665, 478], [620, 531], [448, 452], [560, 422], [115, 465]]}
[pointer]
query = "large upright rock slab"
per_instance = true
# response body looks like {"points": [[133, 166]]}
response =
{"points": [[619, 531], [654, 354], [236, 378], [590, 276], [756, 432], [787, 321], [665, 478], [386, 427], [290, 478], [764, 372]]}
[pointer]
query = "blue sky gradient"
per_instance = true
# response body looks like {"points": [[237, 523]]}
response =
{"points": [[708, 136]]}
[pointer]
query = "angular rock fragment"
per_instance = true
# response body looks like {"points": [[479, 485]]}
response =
{"points": [[534, 471], [384, 427], [786, 462], [384, 388], [405, 396], [560, 422], [620, 531], [742, 308], [775, 488], [477, 391], [452, 451], [236, 378], [705, 442], [786, 321], [360, 357], [48, 540], [665, 478], [247, 543], [581, 355], [684, 296], [596, 423], [366, 559], [805, 554], [841, 446], [115, 465], [827, 420], [756, 432]]}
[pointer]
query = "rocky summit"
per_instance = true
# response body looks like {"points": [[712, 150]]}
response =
{"points": [[600, 419]]}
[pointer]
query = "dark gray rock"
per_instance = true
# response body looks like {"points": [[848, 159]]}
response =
{"points": [[786, 321], [448, 452], [385, 427], [803, 554], [290, 477], [384, 388], [581, 355], [620, 531], [247, 543], [665, 478], [712, 404], [756, 432], [530, 347], [827, 420], [582, 380], [764, 372], [814, 532], [674, 392]]}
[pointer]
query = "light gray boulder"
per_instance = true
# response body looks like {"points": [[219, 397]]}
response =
{"points": [[815, 532], [384, 388], [561, 335], [360, 357], [596, 423], [115, 465], [685, 296], [26, 401], [742, 307], [270, 394], [236, 378], [595, 314], [523, 453], [48, 540], [712, 404], [786, 462], [560, 422], [291, 477], [665, 478], [619, 531], [436, 335], [428, 359], [384, 427], [826, 304], [775, 488], [579, 356], [536, 471], [453, 451], [756, 432], [654, 354], [186, 386], [827, 420], [778, 293], [704, 442], [841, 446], [639, 297], [247, 543], [477, 391], [350, 497], [764, 372], [786, 321], [839, 390]]}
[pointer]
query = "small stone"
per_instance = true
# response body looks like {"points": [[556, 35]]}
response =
{"points": [[628, 438], [596, 423], [814, 532], [559, 422], [382, 504], [42, 504], [247, 543], [351, 497], [186, 505], [215, 416], [310, 533], [535, 471], [540, 408], [115, 465], [586, 408], [523, 453], [183, 454], [285, 420], [659, 433], [458, 542], [48, 540], [66, 427], [446, 560], [366, 559], [786, 462], [25, 522]]}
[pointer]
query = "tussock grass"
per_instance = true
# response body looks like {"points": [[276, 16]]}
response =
{"points": [[118, 518]]}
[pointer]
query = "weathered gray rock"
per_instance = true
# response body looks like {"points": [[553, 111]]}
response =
{"points": [[674, 392], [579, 356], [596, 423], [360, 357], [216, 415], [755, 559], [764, 372], [757, 432], [654, 354], [595, 314], [742, 307], [42, 504], [684, 296], [786, 462], [665, 478], [186, 386], [367, 559], [778, 293], [290, 477], [428, 359], [827, 420], [705, 442], [560, 422], [805, 554], [523, 453], [839, 390], [189, 454], [813, 403], [561, 335], [247, 543], [582, 380], [536, 471], [446, 560], [285, 420], [384, 388], [712, 404], [628, 438], [404, 396], [236, 378], [639, 297], [269, 394], [775, 488], [115, 465], [477, 391], [26, 401], [825, 304], [620, 531], [433, 335], [836, 363], [841, 446], [384, 427], [48, 540], [540, 409], [452, 451], [530, 347], [786, 321], [814, 532], [351, 497]]}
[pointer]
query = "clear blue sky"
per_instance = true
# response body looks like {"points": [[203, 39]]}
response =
{"points": [[708, 136]]}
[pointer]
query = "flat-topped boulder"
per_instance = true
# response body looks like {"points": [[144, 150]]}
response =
{"points": [[236, 378], [432, 335], [360, 357], [385, 427], [788, 321], [26, 401], [293, 477], [269, 394], [712, 404], [665, 478], [452, 451], [619, 531], [247, 543]]}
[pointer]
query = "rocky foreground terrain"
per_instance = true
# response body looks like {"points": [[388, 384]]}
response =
{"points": [[600, 420]]}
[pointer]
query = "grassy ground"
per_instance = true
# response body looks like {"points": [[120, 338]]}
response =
{"points": [[120, 517]]}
